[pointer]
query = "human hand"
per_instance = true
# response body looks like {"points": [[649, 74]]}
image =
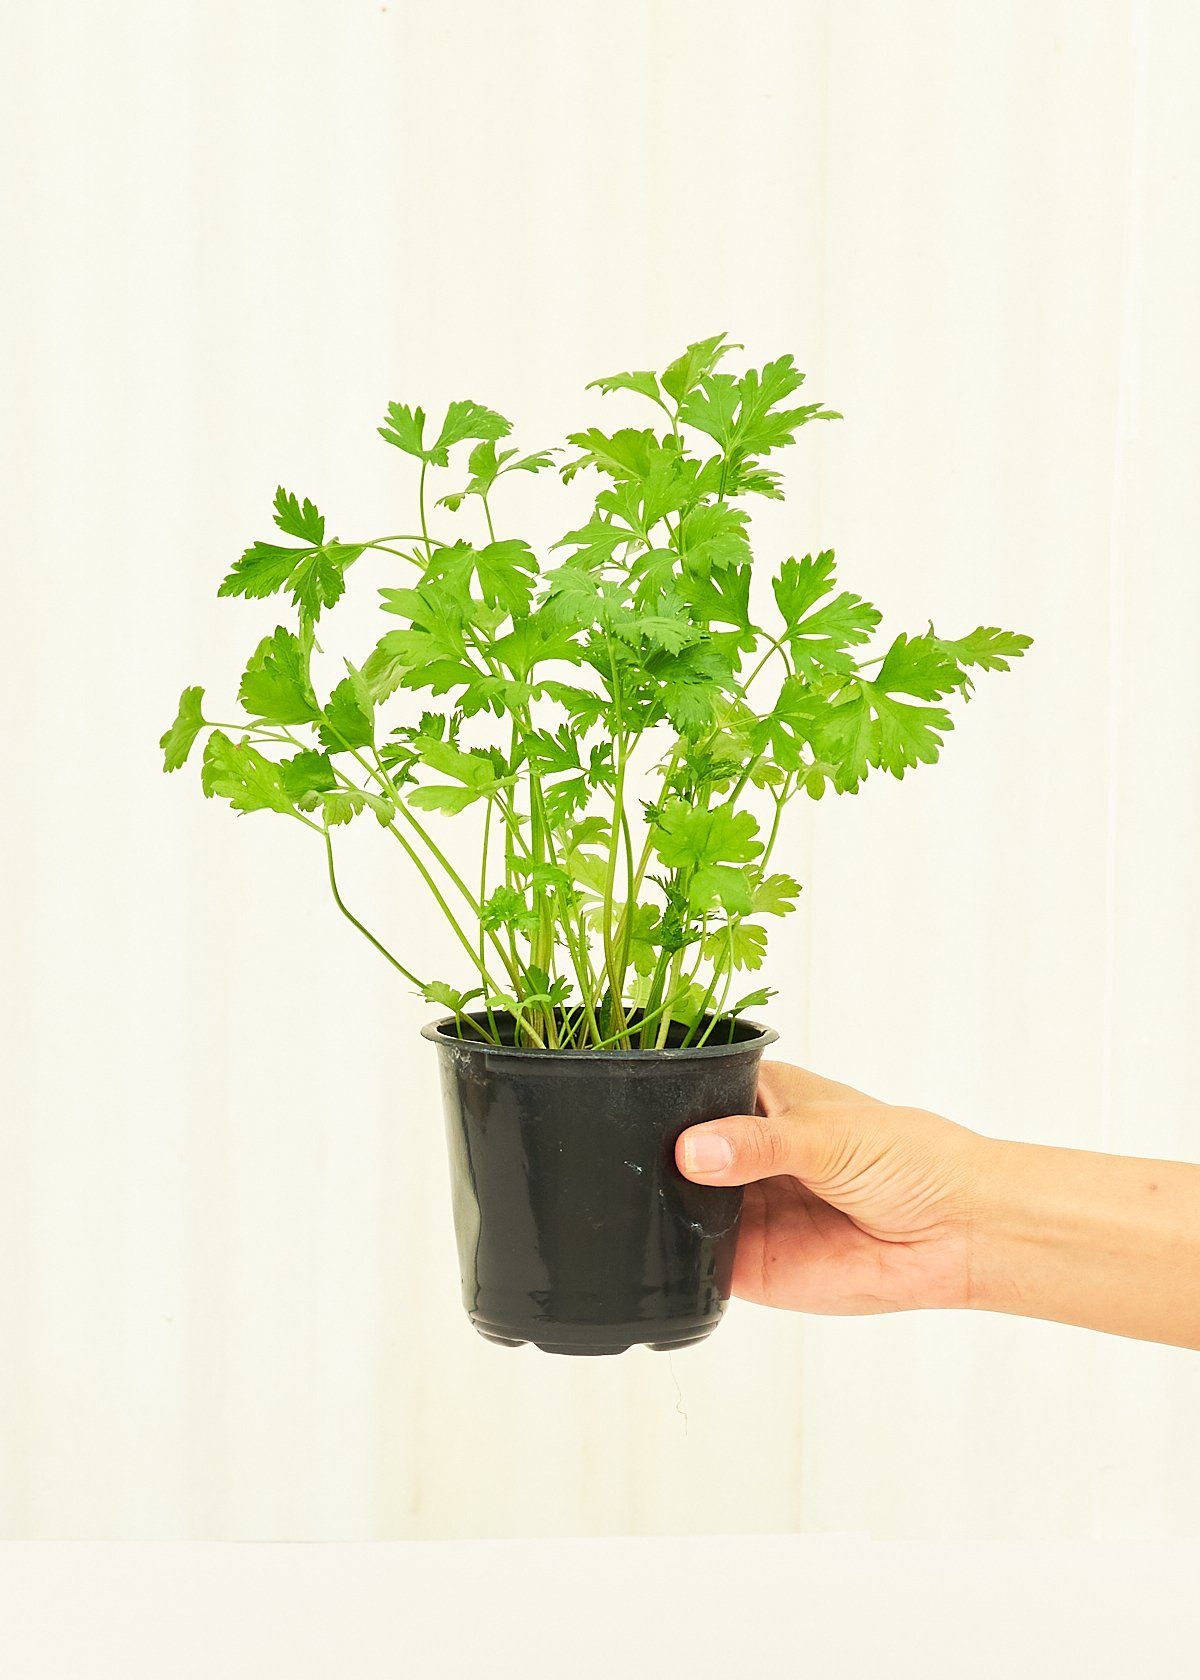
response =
{"points": [[852, 1206]]}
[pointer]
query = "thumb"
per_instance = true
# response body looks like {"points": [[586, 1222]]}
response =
{"points": [[746, 1147]]}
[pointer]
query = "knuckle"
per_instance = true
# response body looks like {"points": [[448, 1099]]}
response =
{"points": [[766, 1147]]}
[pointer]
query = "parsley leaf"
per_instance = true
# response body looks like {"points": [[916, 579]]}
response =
{"points": [[349, 718], [687, 836], [486, 466], [236, 771], [405, 428], [623, 455], [307, 772], [988, 648], [686, 371], [315, 574], [743, 944], [646, 384], [819, 636], [179, 739], [276, 684]]}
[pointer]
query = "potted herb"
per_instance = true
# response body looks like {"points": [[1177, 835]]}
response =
{"points": [[624, 720]]}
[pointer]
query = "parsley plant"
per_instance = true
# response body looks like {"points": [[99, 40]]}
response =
{"points": [[594, 919]]}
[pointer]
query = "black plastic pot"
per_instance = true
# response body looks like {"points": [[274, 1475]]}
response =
{"points": [[576, 1231]]}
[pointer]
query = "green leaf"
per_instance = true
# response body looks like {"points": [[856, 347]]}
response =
{"points": [[507, 908], [744, 478], [437, 611], [870, 728], [583, 707], [405, 428], [467, 420], [693, 684], [444, 675], [298, 519], [723, 598], [506, 572], [320, 579], [988, 648], [449, 800], [388, 663], [344, 804], [315, 574], [776, 895], [714, 537], [438, 991], [476, 769], [487, 465], [819, 635], [643, 946], [307, 772], [666, 484], [752, 1000], [420, 658], [762, 424], [341, 807], [720, 883], [627, 454], [349, 718], [686, 371], [545, 877], [908, 735], [596, 543], [846, 735], [743, 415], [237, 772], [276, 685], [790, 724], [669, 628], [263, 569], [713, 408], [686, 836], [645, 384], [532, 641], [688, 1003], [742, 946], [918, 665], [177, 742]]}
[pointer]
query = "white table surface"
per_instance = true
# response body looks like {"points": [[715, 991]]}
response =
{"points": [[582, 1608]]}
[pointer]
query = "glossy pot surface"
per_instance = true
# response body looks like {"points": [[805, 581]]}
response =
{"points": [[576, 1230]]}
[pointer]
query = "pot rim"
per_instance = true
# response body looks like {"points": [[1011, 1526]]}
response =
{"points": [[435, 1032]]}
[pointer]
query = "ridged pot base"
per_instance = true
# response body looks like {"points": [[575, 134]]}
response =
{"points": [[591, 1340]]}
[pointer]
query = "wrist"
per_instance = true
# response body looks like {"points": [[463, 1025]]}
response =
{"points": [[1007, 1222]]}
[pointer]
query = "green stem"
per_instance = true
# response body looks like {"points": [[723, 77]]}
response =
{"points": [[616, 979], [774, 646], [421, 505], [664, 1026], [625, 931], [781, 799], [466, 944], [353, 919], [381, 776], [487, 831], [607, 1043], [720, 1009]]}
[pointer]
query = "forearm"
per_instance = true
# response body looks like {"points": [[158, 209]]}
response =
{"points": [[1105, 1241]]}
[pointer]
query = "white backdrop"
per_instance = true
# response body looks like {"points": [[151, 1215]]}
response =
{"points": [[235, 230]]}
